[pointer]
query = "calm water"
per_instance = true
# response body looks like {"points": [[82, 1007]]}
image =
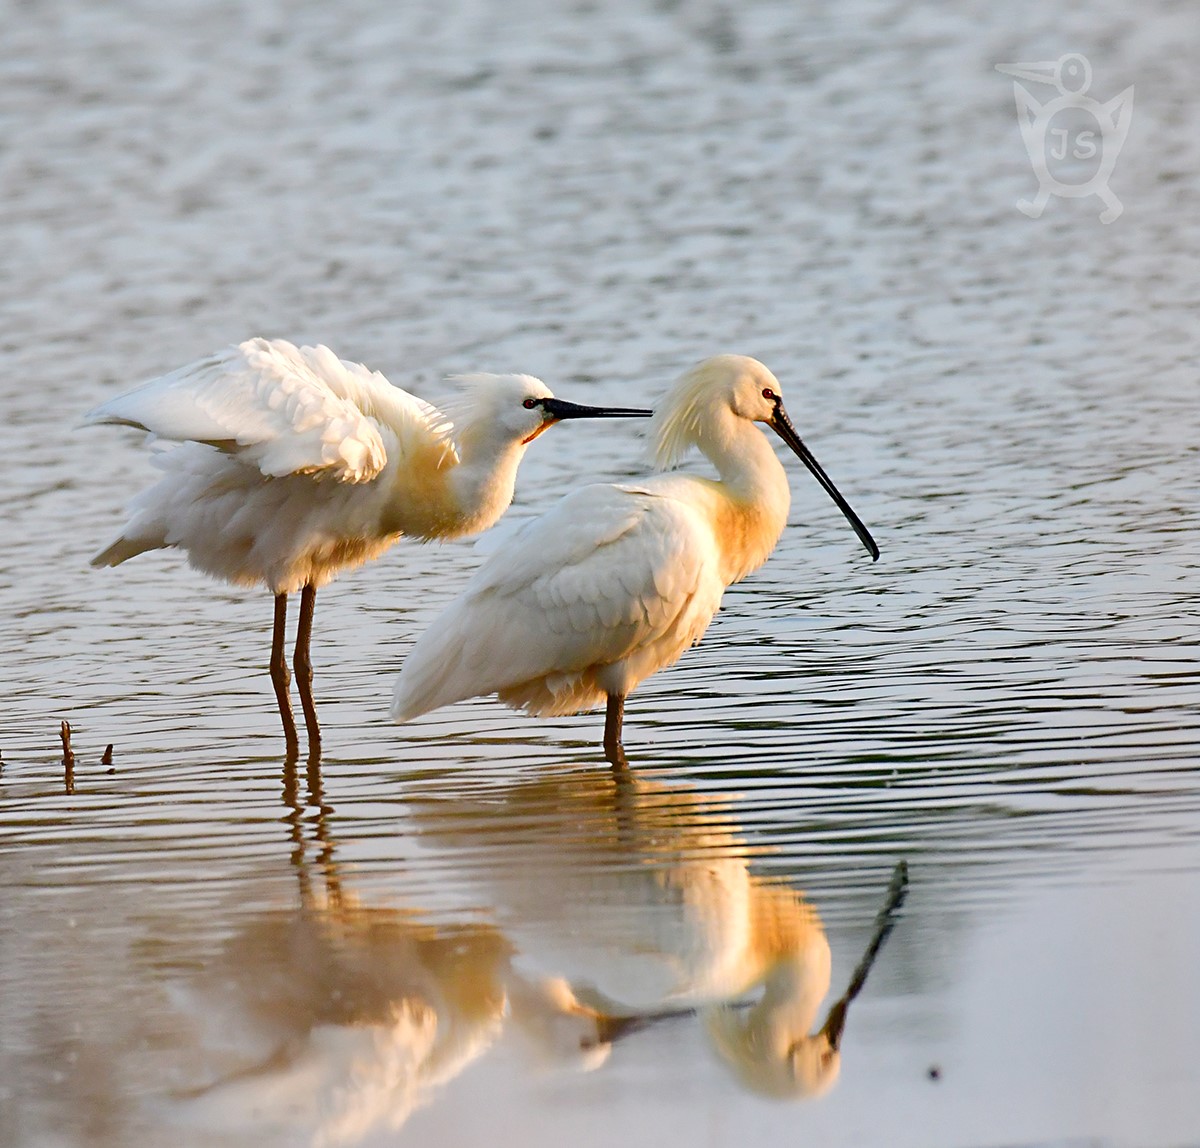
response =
{"points": [[462, 931]]}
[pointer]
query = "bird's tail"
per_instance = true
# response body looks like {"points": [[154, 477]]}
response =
{"points": [[434, 677], [427, 678], [123, 548]]}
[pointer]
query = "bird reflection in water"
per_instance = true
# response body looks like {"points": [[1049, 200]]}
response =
{"points": [[340, 1019], [770, 1046], [641, 899], [619, 903]]}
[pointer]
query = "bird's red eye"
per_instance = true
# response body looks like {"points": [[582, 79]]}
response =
{"points": [[529, 404], [769, 394]]}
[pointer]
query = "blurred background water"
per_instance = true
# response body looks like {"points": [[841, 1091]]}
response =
{"points": [[461, 930]]}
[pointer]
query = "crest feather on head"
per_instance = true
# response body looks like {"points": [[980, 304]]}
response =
{"points": [[680, 416]]}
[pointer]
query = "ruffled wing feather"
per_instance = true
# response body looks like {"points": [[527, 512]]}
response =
{"points": [[288, 410]]}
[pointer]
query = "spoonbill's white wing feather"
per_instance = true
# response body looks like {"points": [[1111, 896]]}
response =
{"points": [[612, 574], [288, 410], [498, 536]]}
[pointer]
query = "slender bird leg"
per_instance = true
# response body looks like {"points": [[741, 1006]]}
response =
{"points": [[281, 679], [625, 804], [295, 823], [613, 749], [325, 859], [302, 664]]}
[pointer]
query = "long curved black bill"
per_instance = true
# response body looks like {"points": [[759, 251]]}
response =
{"points": [[562, 409], [782, 426]]}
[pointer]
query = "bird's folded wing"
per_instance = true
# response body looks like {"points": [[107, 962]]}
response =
{"points": [[288, 410], [606, 570]]}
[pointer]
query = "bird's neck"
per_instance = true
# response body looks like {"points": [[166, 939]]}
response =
{"points": [[481, 485], [794, 965], [787, 1010], [448, 497], [754, 497]]}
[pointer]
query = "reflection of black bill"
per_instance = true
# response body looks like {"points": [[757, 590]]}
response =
{"points": [[835, 1022]]}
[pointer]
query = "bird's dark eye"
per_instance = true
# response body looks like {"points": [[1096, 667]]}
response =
{"points": [[769, 395], [529, 404]]}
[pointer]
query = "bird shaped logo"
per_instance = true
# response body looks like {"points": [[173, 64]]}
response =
{"points": [[1073, 140]]}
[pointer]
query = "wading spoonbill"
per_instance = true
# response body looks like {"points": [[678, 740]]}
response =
{"points": [[617, 581], [295, 465]]}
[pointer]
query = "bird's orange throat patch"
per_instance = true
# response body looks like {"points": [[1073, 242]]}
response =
{"points": [[541, 430]]}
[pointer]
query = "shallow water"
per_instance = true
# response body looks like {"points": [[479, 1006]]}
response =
{"points": [[462, 930]]}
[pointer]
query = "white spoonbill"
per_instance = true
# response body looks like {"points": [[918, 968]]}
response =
{"points": [[617, 581], [296, 465]]}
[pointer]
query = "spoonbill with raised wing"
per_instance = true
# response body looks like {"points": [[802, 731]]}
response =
{"points": [[296, 465]]}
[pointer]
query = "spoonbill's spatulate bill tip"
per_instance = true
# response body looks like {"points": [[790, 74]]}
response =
{"points": [[294, 465], [617, 581]]}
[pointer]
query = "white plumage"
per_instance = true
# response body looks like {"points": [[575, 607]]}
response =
{"points": [[617, 581], [609, 585], [288, 410], [295, 465]]}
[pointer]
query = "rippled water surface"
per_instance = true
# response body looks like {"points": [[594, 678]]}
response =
{"points": [[464, 931]]}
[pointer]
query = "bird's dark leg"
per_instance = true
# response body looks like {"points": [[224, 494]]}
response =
{"points": [[281, 679], [302, 664], [613, 749]]}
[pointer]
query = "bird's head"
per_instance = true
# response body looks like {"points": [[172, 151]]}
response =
{"points": [[782, 1065], [518, 408], [706, 396], [771, 1045], [698, 408], [753, 391]]}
